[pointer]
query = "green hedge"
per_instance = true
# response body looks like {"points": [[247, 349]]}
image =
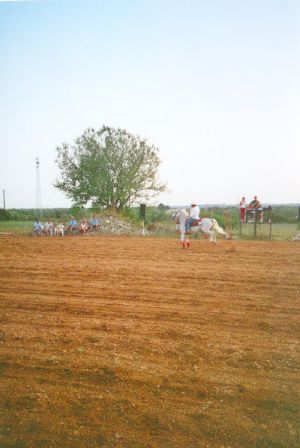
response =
{"points": [[30, 214]]}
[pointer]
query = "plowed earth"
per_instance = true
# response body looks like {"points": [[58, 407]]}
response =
{"points": [[134, 342]]}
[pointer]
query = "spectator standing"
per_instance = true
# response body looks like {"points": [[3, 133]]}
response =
{"points": [[243, 207]]}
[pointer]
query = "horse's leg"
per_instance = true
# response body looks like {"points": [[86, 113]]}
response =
{"points": [[182, 238], [215, 237], [187, 241], [212, 236]]}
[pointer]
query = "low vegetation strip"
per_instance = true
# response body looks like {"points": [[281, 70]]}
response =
{"points": [[132, 342]]}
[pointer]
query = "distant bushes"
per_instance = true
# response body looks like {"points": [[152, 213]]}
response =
{"points": [[5, 215], [158, 214], [153, 214], [285, 214], [226, 217], [30, 214]]}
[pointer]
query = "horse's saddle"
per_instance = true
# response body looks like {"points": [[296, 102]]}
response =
{"points": [[196, 222]]}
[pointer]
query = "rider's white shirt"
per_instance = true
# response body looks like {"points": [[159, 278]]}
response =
{"points": [[195, 212]]}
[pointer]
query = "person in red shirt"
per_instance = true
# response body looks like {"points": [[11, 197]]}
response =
{"points": [[243, 209]]}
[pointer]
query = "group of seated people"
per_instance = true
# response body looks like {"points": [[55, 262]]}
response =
{"points": [[252, 212], [51, 229]]}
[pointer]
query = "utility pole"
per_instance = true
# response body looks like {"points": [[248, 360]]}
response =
{"points": [[38, 185], [3, 199]]}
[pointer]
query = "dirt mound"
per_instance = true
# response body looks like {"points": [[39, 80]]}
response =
{"points": [[117, 226]]}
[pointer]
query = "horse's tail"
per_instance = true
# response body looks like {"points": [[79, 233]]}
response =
{"points": [[217, 228]]}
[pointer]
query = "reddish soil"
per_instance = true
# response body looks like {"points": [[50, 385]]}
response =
{"points": [[134, 342]]}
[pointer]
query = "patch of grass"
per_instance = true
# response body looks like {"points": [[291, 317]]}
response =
{"points": [[93, 339], [19, 444], [67, 372], [26, 402], [200, 417], [42, 443], [201, 395], [6, 404], [100, 440], [241, 388], [33, 427], [80, 407], [265, 441], [105, 376], [152, 422], [265, 326], [19, 227], [277, 406], [283, 231], [3, 367], [207, 426], [279, 232]]}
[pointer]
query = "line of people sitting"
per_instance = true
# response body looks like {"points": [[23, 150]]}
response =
{"points": [[51, 229]]}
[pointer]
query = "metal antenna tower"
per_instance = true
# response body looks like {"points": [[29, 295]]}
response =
{"points": [[38, 186]]}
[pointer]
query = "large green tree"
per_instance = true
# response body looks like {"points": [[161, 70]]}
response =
{"points": [[109, 167]]}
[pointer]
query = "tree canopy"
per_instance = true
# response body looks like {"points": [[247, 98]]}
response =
{"points": [[109, 167]]}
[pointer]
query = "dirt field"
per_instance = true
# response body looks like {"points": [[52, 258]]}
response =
{"points": [[133, 342]]}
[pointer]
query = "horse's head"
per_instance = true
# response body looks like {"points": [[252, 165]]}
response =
{"points": [[180, 218], [182, 215]]}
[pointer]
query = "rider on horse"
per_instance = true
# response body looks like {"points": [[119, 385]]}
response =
{"points": [[194, 214]]}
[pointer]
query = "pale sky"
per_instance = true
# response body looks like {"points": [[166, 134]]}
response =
{"points": [[213, 84]]}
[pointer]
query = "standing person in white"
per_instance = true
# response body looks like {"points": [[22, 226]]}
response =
{"points": [[243, 206], [194, 214]]}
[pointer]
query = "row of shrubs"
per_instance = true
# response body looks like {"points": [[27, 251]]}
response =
{"points": [[225, 216]]}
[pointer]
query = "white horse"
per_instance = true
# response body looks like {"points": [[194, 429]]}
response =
{"points": [[208, 226]]}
